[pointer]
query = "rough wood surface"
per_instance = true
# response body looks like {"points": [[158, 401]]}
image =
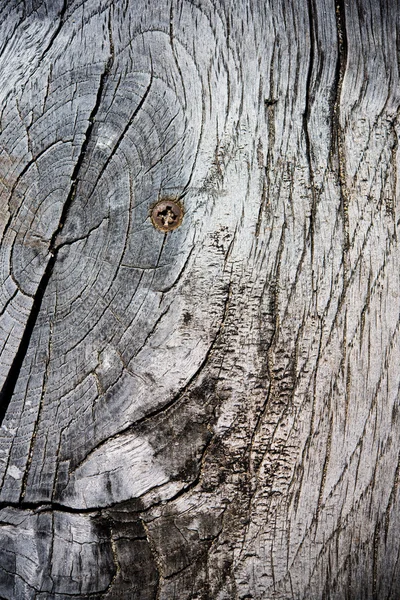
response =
{"points": [[210, 413]]}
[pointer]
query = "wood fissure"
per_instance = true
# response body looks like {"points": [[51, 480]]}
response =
{"points": [[9, 385], [341, 69]]}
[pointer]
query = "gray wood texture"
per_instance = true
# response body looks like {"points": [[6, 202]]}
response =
{"points": [[210, 413]]}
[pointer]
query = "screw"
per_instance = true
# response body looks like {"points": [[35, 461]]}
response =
{"points": [[167, 214]]}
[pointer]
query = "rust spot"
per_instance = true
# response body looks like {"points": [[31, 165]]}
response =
{"points": [[167, 214]]}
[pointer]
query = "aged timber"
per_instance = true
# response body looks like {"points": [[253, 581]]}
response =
{"points": [[199, 300]]}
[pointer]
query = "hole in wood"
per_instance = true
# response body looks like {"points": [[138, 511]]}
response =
{"points": [[167, 214]]}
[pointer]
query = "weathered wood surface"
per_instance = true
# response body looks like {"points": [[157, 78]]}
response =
{"points": [[211, 413]]}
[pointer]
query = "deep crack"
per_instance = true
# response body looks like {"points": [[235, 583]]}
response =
{"points": [[8, 388]]}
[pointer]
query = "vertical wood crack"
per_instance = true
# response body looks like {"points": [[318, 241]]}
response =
{"points": [[341, 67], [7, 390]]}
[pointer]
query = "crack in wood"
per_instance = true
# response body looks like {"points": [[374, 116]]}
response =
{"points": [[341, 69], [10, 382]]}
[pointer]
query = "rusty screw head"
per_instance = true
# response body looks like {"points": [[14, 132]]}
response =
{"points": [[167, 214]]}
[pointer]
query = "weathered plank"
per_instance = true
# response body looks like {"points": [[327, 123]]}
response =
{"points": [[211, 412]]}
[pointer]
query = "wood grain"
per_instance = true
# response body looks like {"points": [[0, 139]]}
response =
{"points": [[210, 413]]}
